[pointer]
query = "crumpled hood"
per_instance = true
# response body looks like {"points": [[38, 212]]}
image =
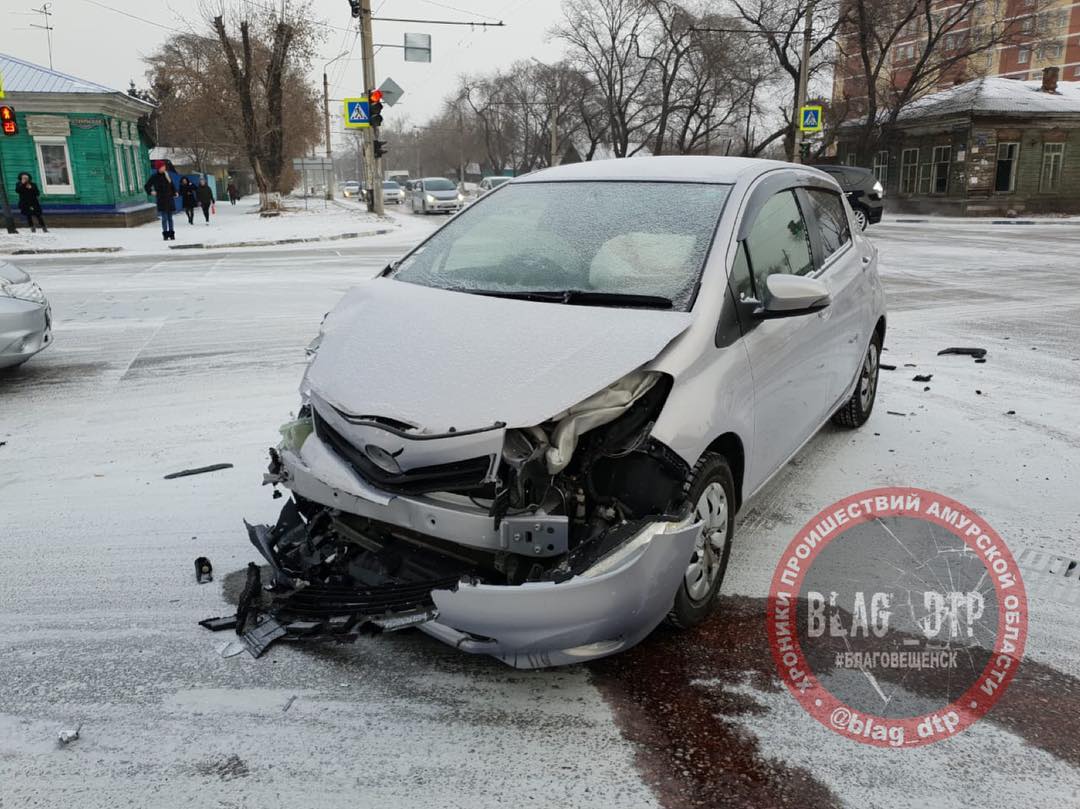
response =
{"points": [[440, 360], [12, 274]]}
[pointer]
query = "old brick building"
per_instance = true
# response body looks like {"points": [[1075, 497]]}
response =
{"points": [[986, 147]]}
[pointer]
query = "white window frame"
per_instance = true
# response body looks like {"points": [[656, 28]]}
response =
{"points": [[1054, 154], [120, 181], [46, 186], [1023, 56], [936, 163], [1012, 170], [881, 167], [909, 160]]}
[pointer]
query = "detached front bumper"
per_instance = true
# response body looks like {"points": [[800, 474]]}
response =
{"points": [[605, 610]]}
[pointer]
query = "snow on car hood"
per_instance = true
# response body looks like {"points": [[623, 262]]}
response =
{"points": [[439, 359]]}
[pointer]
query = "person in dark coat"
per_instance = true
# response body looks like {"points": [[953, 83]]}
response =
{"points": [[160, 186], [233, 192], [188, 199], [206, 198], [30, 201]]}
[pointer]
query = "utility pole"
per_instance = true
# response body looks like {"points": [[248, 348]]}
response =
{"points": [[368, 56], [44, 11], [461, 147], [804, 73], [326, 119]]}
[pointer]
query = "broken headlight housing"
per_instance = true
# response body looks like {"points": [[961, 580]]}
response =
{"points": [[26, 291]]}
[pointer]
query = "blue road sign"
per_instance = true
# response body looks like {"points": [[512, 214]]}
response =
{"points": [[357, 115], [810, 119]]}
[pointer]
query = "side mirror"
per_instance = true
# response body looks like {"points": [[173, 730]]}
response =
{"points": [[791, 295]]}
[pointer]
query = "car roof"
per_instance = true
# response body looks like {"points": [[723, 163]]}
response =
{"points": [[665, 168]]}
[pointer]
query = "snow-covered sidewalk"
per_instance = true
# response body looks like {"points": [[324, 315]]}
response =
{"points": [[232, 226]]}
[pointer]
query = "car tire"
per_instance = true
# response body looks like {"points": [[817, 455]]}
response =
{"points": [[710, 490], [862, 219], [856, 410]]}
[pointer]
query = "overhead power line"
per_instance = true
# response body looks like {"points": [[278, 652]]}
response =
{"points": [[499, 24]]}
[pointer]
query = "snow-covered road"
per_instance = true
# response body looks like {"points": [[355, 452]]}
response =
{"points": [[168, 362]]}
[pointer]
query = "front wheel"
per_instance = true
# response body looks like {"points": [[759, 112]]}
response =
{"points": [[711, 491], [858, 408], [861, 219]]}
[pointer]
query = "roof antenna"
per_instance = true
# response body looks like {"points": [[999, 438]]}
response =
{"points": [[44, 11]]}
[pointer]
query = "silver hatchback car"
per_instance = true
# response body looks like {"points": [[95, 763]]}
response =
{"points": [[530, 436]]}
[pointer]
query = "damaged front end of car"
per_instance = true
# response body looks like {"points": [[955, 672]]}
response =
{"points": [[539, 545]]}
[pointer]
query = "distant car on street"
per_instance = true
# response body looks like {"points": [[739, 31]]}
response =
{"points": [[25, 317], [393, 193], [436, 195], [491, 183], [864, 192], [350, 188]]}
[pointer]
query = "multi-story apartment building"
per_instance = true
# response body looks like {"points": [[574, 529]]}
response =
{"points": [[1038, 34]]}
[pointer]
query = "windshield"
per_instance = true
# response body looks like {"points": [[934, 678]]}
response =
{"points": [[438, 184], [614, 238], [391, 186]]}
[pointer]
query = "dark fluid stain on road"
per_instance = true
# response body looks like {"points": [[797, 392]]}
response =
{"points": [[691, 747], [692, 750]]}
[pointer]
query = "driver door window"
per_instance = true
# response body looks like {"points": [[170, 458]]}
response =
{"points": [[778, 242]]}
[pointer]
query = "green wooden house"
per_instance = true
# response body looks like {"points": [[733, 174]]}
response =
{"points": [[85, 145]]}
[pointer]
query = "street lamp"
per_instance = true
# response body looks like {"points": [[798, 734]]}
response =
{"points": [[326, 119]]}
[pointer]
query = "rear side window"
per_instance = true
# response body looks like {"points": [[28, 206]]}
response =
{"points": [[832, 219], [778, 241]]}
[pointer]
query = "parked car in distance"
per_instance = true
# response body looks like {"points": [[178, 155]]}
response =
{"points": [[864, 192], [491, 183], [531, 434], [350, 188], [25, 317], [436, 195], [392, 193]]}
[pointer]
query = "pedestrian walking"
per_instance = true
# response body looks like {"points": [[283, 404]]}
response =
{"points": [[188, 199], [160, 186], [206, 198], [30, 201], [233, 192]]}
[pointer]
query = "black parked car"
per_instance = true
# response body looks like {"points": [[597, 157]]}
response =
{"points": [[864, 192]]}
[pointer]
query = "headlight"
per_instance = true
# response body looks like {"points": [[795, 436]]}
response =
{"points": [[26, 291], [878, 189], [429, 199], [460, 197]]}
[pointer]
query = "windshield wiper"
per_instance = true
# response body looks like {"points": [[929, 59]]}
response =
{"points": [[579, 297]]}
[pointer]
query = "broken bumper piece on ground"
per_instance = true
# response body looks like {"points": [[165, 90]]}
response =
{"points": [[331, 583]]}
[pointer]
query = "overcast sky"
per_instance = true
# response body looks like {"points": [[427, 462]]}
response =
{"points": [[105, 46]]}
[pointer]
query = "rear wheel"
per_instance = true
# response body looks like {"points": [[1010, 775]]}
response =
{"points": [[861, 219], [858, 408], [711, 492]]}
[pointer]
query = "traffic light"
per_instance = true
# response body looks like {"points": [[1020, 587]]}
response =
{"points": [[7, 121], [380, 148], [354, 6], [375, 107]]}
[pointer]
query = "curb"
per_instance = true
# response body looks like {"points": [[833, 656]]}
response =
{"points": [[32, 251], [203, 246], [269, 243]]}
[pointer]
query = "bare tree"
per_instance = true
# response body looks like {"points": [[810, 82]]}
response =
{"points": [[941, 41], [780, 25], [602, 40]]}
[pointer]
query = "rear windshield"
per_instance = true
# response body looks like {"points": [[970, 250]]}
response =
{"points": [[439, 185], [640, 238]]}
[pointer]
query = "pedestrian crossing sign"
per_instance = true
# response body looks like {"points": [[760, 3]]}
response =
{"points": [[810, 119], [356, 113]]}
